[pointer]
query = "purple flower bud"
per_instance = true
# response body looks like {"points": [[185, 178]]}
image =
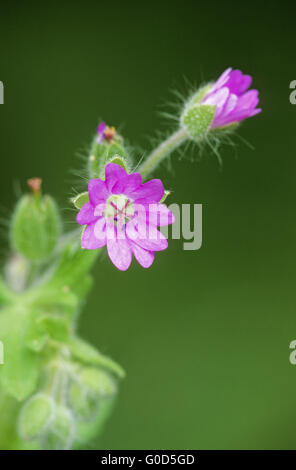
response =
{"points": [[233, 101], [105, 132], [100, 129]]}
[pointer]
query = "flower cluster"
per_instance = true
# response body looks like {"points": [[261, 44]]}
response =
{"points": [[122, 212]]}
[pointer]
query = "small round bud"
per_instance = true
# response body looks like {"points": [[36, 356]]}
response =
{"points": [[35, 416], [80, 401], [86, 394], [98, 381], [35, 225], [107, 144]]}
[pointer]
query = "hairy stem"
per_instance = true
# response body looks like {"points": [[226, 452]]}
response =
{"points": [[162, 151]]}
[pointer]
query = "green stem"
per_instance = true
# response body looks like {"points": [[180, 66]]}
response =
{"points": [[162, 151]]}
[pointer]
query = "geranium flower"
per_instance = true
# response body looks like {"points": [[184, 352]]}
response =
{"points": [[232, 100], [124, 213]]}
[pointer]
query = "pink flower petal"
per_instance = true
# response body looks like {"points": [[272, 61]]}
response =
{"points": [[155, 213], [217, 99], [144, 257], [244, 108], [238, 83], [113, 174], [89, 240], [97, 191], [221, 80], [100, 230], [118, 247], [86, 215], [146, 236], [152, 191], [248, 100], [227, 109], [128, 184]]}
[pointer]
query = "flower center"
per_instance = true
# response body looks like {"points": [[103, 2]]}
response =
{"points": [[119, 208]]}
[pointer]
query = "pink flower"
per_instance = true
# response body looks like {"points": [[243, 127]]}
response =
{"points": [[124, 213], [232, 100]]}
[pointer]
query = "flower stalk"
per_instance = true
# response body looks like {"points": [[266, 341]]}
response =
{"points": [[162, 151]]}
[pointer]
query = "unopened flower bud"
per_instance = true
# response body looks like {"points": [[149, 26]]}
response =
{"points": [[98, 381], [106, 144], [35, 225], [35, 416], [81, 402], [221, 105], [86, 394]]}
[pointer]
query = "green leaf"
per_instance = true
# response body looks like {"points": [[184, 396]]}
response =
{"points": [[45, 327], [86, 353], [73, 265], [80, 200], [49, 297], [18, 374]]}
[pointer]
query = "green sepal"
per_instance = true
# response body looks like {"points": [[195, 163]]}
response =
{"points": [[223, 130], [80, 200], [118, 160], [196, 120], [199, 95], [101, 153], [166, 194], [86, 353]]}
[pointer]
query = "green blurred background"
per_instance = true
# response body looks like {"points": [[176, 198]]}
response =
{"points": [[204, 336]]}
